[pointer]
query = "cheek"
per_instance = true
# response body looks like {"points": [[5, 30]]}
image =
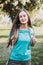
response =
{"points": [[20, 19], [26, 19]]}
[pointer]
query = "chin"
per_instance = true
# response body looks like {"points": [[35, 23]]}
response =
{"points": [[23, 22]]}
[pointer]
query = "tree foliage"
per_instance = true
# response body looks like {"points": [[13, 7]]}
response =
{"points": [[13, 6]]}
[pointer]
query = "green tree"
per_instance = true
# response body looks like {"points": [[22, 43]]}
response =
{"points": [[13, 6]]}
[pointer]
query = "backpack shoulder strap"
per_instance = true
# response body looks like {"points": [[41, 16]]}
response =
{"points": [[31, 32]]}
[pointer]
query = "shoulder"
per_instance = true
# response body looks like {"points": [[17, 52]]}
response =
{"points": [[31, 30]]}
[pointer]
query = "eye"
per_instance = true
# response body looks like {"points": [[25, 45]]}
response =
{"points": [[20, 16], [24, 15]]}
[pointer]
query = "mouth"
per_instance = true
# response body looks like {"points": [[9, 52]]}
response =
{"points": [[23, 21]]}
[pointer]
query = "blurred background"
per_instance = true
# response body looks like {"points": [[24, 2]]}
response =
{"points": [[8, 11]]}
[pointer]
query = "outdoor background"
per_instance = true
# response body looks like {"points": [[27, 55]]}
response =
{"points": [[8, 11]]}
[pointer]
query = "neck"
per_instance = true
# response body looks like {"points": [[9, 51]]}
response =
{"points": [[24, 26]]}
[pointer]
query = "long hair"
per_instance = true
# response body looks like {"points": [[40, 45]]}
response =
{"points": [[16, 25]]}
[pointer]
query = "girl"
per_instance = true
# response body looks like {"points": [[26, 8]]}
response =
{"points": [[21, 38]]}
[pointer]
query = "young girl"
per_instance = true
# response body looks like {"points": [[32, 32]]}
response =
{"points": [[21, 38]]}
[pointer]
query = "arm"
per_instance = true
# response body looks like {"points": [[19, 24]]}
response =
{"points": [[33, 38], [9, 41], [14, 38]]}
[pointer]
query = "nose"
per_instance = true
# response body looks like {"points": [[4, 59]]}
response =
{"points": [[22, 18]]}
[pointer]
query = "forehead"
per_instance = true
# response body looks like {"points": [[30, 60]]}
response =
{"points": [[22, 13]]}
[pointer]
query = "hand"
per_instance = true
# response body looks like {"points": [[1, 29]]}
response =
{"points": [[10, 47], [9, 42], [33, 41]]}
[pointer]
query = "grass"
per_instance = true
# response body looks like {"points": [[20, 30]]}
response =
{"points": [[37, 54], [3, 53], [37, 50]]}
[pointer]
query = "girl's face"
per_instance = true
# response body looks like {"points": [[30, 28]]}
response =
{"points": [[23, 17]]}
